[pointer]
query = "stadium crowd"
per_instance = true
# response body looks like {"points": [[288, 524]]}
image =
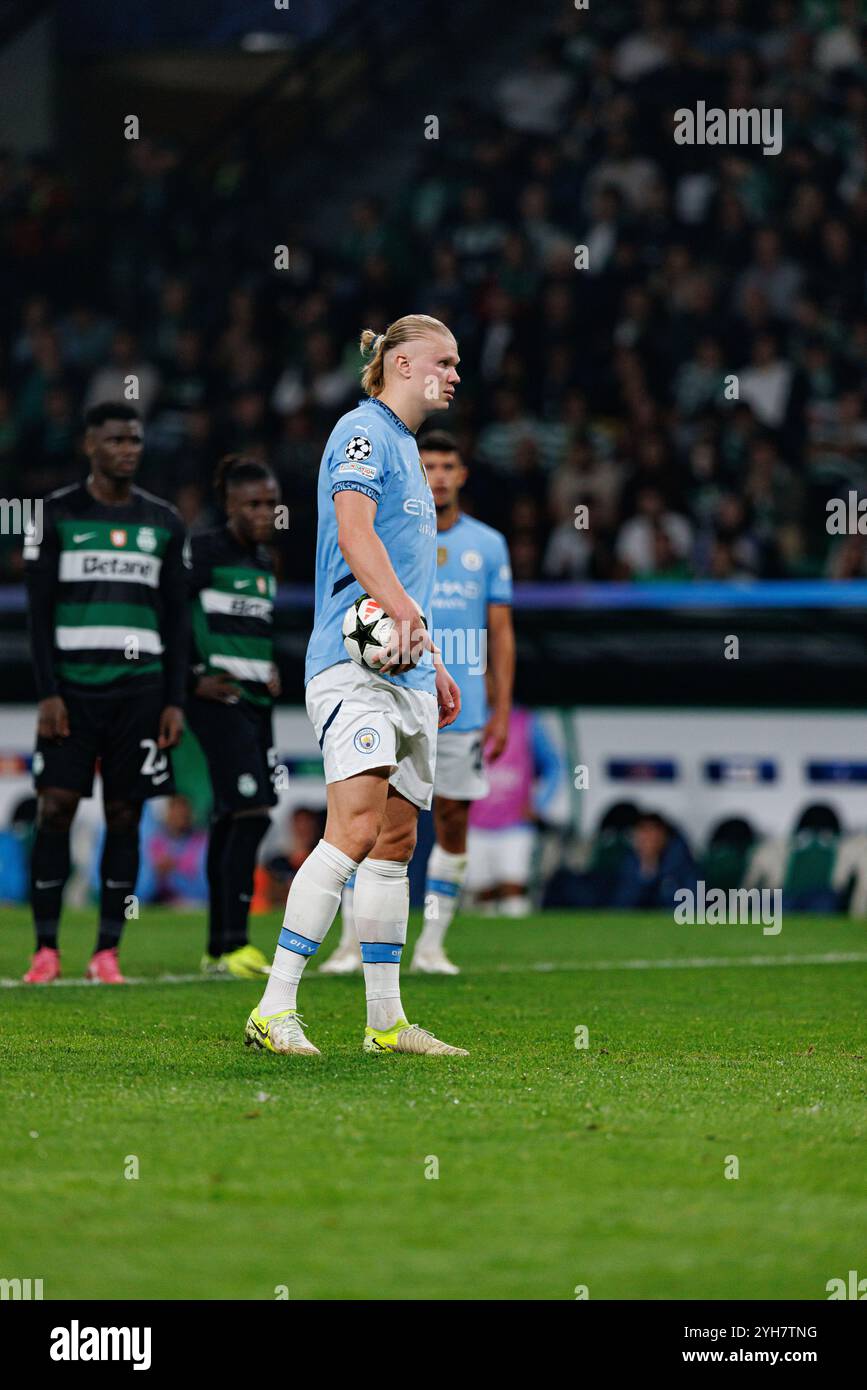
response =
{"points": [[602, 386]]}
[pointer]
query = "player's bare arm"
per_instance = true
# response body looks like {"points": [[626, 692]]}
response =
{"points": [[52, 719], [171, 726], [448, 697], [501, 670], [176, 637]]}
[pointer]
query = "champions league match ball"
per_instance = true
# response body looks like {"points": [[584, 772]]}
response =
{"points": [[366, 632]]}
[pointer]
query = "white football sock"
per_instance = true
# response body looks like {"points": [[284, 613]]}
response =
{"points": [[310, 909], [348, 937], [381, 916], [442, 890]]}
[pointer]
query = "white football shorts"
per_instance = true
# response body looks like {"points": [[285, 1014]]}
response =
{"points": [[499, 856], [363, 721], [460, 772]]}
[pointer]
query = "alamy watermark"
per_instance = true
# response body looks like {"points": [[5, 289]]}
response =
{"points": [[21, 516], [852, 1288], [741, 906], [77, 1343], [23, 1289], [463, 646], [457, 646], [737, 126], [847, 516]]}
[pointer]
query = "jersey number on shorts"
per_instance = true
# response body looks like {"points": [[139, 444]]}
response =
{"points": [[277, 771], [156, 764]]}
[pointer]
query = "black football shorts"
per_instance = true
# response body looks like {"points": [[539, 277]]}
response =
{"points": [[238, 744], [117, 732]]}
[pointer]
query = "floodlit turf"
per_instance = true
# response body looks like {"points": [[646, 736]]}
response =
{"points": [[557, 1167]]}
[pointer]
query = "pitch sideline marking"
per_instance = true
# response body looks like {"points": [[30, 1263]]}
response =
{"points": [[509, 968], [691, 962]]}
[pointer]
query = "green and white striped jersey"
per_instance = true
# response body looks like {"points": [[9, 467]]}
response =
{"points": [[107, 595], [233, 609]]}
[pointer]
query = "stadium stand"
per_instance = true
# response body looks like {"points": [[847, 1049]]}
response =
{"points": [[600, 386]]}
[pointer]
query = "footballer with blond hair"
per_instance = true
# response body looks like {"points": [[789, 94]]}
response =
{"points": [[377, 536], [472, 622]]}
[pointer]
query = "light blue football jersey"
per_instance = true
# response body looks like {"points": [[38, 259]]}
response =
{"points": [[371, 450], [473, 570]]}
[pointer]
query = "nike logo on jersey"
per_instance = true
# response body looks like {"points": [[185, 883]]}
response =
{"points": [[84, 536], [49, 883], [156, 780], [110, 883], [242, 583]]}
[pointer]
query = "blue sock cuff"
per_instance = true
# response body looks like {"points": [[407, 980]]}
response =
{"points": [[301, 945], [381, 952], [442, 885]]}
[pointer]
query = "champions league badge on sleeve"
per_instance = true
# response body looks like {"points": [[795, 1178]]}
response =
{"points": [[358, 449]]}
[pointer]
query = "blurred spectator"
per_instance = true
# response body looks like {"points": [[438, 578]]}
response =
{"points": [[533, 100], [302, 830], [728, 548], [112, 381], [766, 383], [645, 50], [173, 852], [15, 843], [604, 381], [654, 536], [656, 866], [173, 856]]}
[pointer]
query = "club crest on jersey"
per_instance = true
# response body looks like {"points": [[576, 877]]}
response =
{"points": [[247, 784], [366, 740], [471, 560], [117, 537], [146, 539], [358, 449]]}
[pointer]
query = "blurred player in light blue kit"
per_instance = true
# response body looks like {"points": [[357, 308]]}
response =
{"points": [[472, 622], [471, 619], [377, 730]]}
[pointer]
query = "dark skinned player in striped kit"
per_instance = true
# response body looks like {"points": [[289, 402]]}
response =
{"points": [[107, 592], [233, 687]]}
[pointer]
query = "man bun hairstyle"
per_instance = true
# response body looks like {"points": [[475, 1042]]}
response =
{"points": [[234, 470], [374, 346]]}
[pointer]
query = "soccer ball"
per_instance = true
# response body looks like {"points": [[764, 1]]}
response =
{"points": [[367, 630]]}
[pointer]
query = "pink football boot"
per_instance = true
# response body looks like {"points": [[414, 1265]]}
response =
{"points": [[104, 967], [44, 967]]}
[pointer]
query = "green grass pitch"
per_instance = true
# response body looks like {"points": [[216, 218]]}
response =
{"points": [[558, 1167]]}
